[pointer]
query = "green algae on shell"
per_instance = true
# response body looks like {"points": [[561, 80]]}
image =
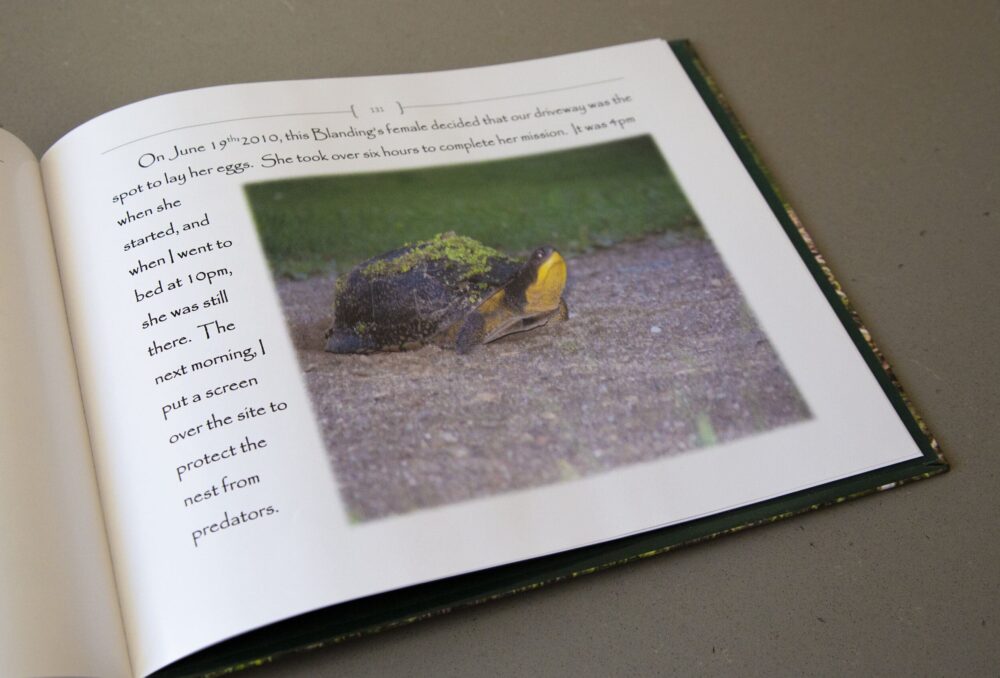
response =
{"points": [[470, 255]]}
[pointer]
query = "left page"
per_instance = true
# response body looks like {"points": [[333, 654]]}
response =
{"points": [[59, 613], [249, 475]]}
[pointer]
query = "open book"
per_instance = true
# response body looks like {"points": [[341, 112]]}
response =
{"points": [[286, 362]]}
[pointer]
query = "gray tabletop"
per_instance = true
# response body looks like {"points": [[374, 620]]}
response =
{"points": [[880, 123]]}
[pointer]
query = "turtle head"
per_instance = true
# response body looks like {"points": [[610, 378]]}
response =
{"points": [[529, 300], [543, 279]]}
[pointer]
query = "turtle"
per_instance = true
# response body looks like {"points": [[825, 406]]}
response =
{"points": [[451, 290]]}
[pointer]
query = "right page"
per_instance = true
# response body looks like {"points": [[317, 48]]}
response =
{"points": [[342, 337]]}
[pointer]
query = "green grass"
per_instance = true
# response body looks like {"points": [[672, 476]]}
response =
{"points": [[706, 432], [575, 200]]}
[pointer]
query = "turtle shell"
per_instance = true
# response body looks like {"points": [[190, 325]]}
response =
{"points": [[412, 295]]}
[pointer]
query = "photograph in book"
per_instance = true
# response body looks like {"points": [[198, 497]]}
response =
{"points": [[473, 329]]}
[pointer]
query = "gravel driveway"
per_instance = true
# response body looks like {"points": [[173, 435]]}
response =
{"points": [[660, 355]]}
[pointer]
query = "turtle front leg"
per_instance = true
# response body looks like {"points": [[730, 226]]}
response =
{"points": [[472, 333], [562, 313]]}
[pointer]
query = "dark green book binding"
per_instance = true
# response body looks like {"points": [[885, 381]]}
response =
{"points": [[368, 615]]}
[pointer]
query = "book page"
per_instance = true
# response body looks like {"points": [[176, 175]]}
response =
{"points": [[59, 612], [605, 330]]}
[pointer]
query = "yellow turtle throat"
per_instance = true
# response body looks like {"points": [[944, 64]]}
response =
{"points": [[505, 313], [545, 293]]}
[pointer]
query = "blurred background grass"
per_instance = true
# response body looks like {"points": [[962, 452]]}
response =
{"points": [[574, 200]]}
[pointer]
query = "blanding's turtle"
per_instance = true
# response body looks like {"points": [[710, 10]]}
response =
{"points": [[450, 290]]}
